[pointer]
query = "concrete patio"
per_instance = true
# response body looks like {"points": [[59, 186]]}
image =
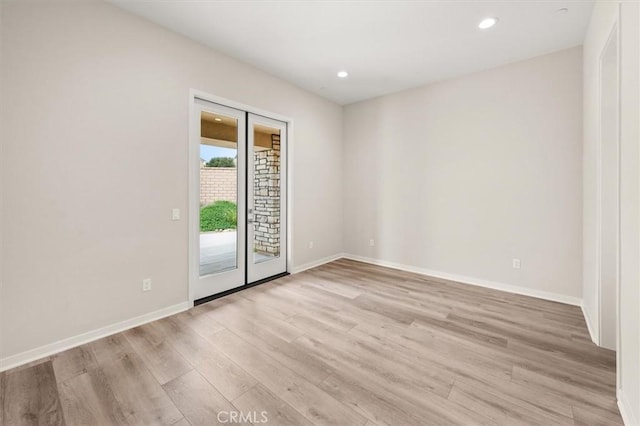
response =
{"points": [[218, 252]]}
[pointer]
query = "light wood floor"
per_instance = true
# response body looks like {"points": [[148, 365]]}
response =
{"points": [[343, 344]]}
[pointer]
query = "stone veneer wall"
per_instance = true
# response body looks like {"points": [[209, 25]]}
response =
{"points": [[267, 200], [218, 183]]}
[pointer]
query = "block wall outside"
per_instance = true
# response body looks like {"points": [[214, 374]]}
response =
{"points": [[218, 183]]}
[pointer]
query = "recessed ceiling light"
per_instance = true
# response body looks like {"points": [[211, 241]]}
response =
{"points": [[343, 74], [487, 23], [218, 119]]}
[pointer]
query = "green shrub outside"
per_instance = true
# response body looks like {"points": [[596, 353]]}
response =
{"points": [[221, 162], [218, 216]]}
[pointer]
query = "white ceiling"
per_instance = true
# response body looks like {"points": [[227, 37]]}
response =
{"points": [[386, 46]]}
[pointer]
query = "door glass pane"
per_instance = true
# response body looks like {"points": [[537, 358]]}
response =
{"points": [[218, 193], [266, 193]]}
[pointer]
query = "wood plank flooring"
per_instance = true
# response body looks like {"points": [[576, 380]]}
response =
{"points": [[343, 344]]}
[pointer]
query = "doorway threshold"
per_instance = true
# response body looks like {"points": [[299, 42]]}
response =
{"points": [[237, 289]]}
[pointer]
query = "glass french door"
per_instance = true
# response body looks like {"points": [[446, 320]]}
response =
{"points": [[238, 198], [267, 195], [220, 207]]}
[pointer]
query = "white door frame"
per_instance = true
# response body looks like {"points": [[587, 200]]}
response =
{"points": [[613, 34], [194, 170]]}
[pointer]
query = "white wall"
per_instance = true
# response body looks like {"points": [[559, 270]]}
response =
{"points": [[95, 106], [603, 18], [461, 176]]}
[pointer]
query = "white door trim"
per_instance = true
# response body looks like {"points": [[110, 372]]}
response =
{"points": [[613, 35]]}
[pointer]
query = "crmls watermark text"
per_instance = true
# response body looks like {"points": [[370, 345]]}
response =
{"points": [[254, 417]]}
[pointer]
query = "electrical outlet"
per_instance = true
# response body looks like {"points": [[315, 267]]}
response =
{"points": [[310, 244], [175, 214], [146, 284], [516, 263], [372, 242]]}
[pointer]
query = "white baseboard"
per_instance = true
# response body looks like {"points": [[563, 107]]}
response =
{"points": [[554, 297], [71, 342], [587, 319], [62, 345], [315, 263], [624, 405]]}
